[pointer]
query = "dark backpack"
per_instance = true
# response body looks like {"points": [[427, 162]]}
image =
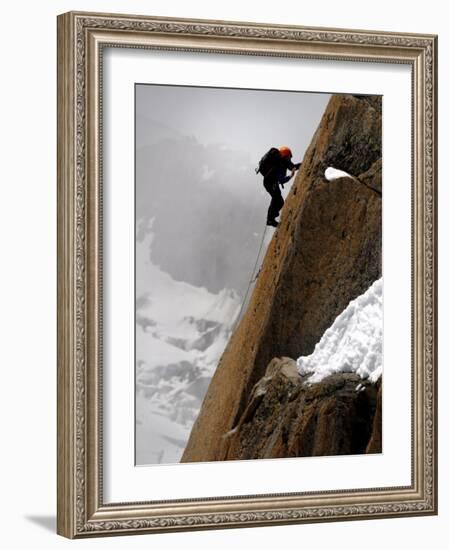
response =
{"points": [[268, 161]]}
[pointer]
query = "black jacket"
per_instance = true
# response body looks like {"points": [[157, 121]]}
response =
{"points": [[279, 171]]}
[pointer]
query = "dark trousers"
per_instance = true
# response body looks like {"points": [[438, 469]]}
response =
{"points": [[277, 202]]}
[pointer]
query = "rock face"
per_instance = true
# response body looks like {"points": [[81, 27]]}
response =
{"points": [[325, 252], [286, 417], [375, 443]]}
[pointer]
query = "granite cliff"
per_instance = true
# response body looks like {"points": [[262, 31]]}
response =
{"points": [[325, 252]]}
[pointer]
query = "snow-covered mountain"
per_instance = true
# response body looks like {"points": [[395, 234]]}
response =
{"points": [[353, 343], [181, 332]]}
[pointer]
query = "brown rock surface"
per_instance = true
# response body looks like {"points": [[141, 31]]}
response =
{"points": [[286, 417], [373, 177], [375, 442], [325, 252]]}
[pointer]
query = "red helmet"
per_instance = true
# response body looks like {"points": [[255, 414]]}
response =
{"points": [[285, 152]]}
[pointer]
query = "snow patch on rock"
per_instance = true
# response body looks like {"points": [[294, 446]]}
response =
{"points": [[334, 174], [352, 344]]}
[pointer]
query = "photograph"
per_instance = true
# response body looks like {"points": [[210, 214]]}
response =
{"points": [[247, 280], [258, 274]]}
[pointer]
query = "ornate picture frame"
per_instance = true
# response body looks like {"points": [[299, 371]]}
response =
{"points": [[82, 40]]}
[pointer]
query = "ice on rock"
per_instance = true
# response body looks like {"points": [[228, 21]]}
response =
{"points": [[352, 344], [334, 174]]}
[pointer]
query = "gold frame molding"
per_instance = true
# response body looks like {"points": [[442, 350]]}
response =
{"points": [[81, 38]]}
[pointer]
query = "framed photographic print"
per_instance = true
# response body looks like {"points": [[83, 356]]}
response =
{"points": [[246, 274]]}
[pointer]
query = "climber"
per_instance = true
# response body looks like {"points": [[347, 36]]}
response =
{"points": [[273, 166]]}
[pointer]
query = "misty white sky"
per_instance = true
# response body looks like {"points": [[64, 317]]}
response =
{"points": [[249, 121], [196, 150]]}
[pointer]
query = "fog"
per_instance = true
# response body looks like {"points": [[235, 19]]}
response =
{"points": [[196, 151], [248, 121]]}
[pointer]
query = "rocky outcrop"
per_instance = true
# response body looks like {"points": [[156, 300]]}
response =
{"points": [[325, 252], [287, 417]]}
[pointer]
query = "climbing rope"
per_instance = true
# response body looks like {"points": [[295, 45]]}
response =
{"points": [[253, 278]]}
